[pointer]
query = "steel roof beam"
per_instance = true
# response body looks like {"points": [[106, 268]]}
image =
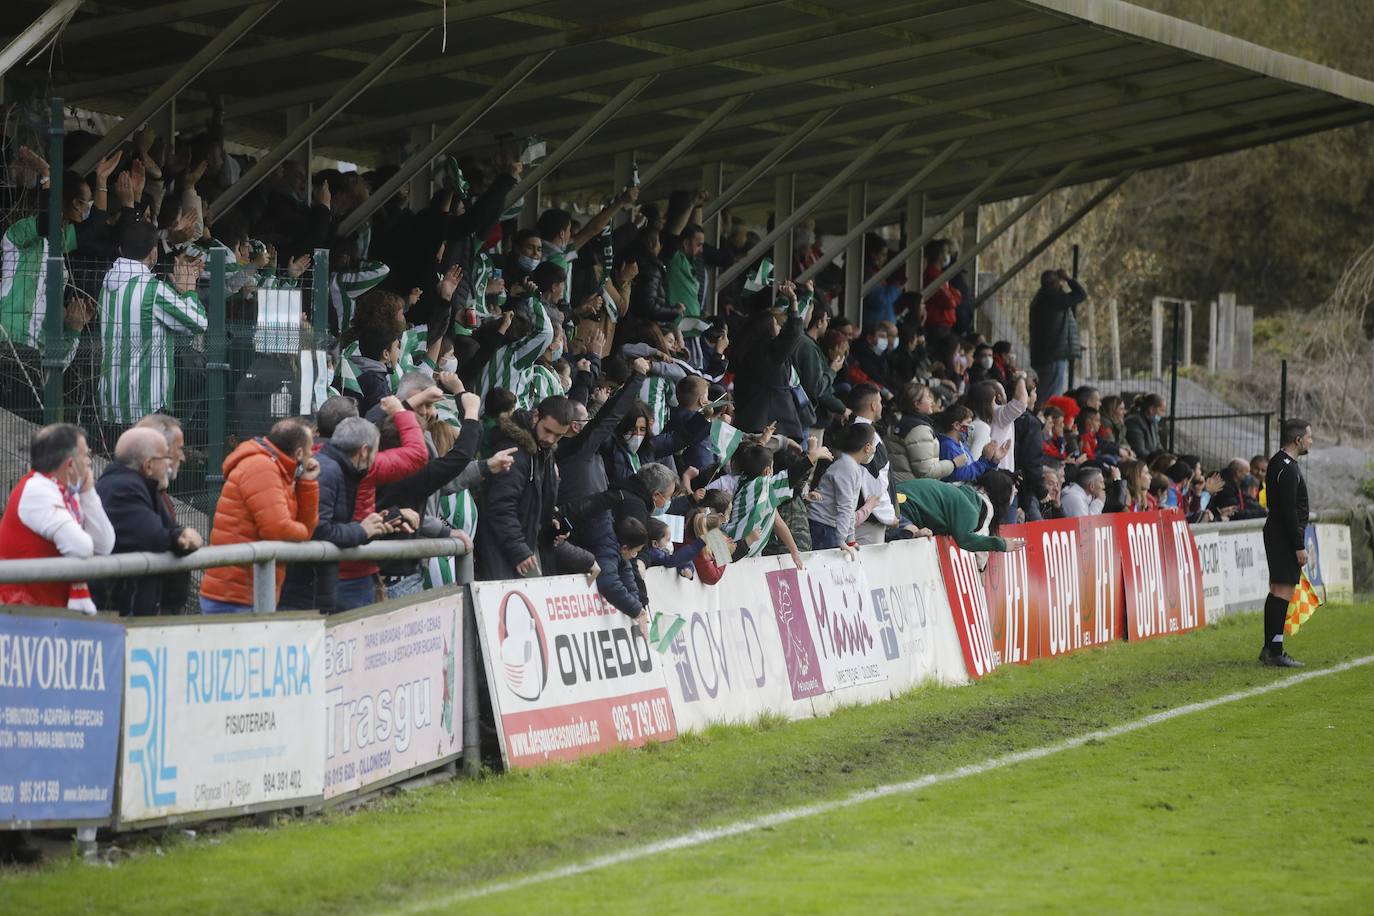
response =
{"points": [[708, 124], [36, 33], [319, 117], [440, 143], [783, 226], [779, 152], [570, 145], [857, 230], [102, 26], [184, 76], [915, 245]]}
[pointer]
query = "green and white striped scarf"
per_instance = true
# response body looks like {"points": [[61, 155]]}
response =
{"points": [[459, 510], [414, 355], [347, 285], [512, 364], [656, 393], [754, 507], [24, 281], [544, 383]]}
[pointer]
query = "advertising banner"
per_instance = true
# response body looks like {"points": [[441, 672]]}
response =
{"points": [[1016, 601], [569, 675], [1244, 570], [1162, 580], [727, 664], [1104, 615], [222, 715], [913, 615], [1328, 556], [1213, 580], [60, 685], [393, 692], [968, 605]]}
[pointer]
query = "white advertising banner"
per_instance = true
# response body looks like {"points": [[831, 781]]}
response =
{"points": [[769, 638], [393, 692], [1328, 552], [1213, 579], [1244, 570], [569, 675], [222, 715], [915, 623], [727, 663]]}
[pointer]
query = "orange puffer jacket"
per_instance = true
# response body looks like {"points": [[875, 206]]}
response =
{"points": [[261, 501]]}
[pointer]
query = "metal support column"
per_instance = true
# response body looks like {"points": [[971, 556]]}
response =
{"points": [[185, 75], [472, 712], [756, 171], [857, 231], [580, 136], [265, 587], [915, 229], [54, 346], [34, 36], [320, 116], [854, 252], [217, 368], [529, 213], [622, 174], [969, 242], [422, 183], [782, 229], [297, 115], [319, 295], [1026, 205], [916, 245], [712, 180], [780, 236], [1071, 221], [443, 140], [701, 129]]}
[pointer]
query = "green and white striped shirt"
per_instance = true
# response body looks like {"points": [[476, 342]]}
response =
{"points": [[544, 383], [138, 311], [511, 365], [23, 281], [754, 507], [346, 286]]}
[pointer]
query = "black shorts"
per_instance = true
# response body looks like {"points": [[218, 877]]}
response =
{"points": [[1283, 559]]}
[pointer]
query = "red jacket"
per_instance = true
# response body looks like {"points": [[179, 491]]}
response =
{"points": [[261, 501], [389, 467], [19, 542], [943, 305], [708, 570]]}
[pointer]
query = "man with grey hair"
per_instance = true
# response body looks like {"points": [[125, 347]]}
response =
{"points": [[344, 462], [176, 587], [1086, 495], [333, 412], [132, 490]]}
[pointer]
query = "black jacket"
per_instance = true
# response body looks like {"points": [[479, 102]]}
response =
{"points": [[312, 586], [142, 522], [762, 376], [515, 509], [1286, 493], [581, 469], [649, 294], [1029, 434]]}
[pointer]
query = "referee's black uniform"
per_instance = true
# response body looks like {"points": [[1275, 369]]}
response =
{"points": [[1284, 535]]}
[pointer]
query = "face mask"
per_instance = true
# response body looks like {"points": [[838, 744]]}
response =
{"points": [[661, 510], [556, 355], [880, 346], [449, 365], [985, 362], [633, 443], [527, 262], [86, 209]]}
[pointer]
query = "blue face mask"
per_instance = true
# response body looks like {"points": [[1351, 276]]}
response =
{"points": [[880, 346], [527, 262], [556, 355], [661, 510]]}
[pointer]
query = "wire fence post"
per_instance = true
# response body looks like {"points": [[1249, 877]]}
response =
{"points": [[218, 366], [319, 295], [1173, 378], [1283, 394], [1268, 440], [54, 347]]}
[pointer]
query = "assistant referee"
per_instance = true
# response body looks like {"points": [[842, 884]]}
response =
{"points": [[1284, 544]]}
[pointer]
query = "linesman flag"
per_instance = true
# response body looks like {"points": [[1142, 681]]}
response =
{"points": [[1304, 604], [725, 439], [759, 277]]}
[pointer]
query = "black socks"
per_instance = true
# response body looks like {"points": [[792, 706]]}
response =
{"points": [[1275, 611]]}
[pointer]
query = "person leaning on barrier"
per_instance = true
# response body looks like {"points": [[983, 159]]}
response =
{"points": [[344, 461], [131, 490], [271, 493], [176, 587], [55, 511], [969, 513], [1285, 542]]}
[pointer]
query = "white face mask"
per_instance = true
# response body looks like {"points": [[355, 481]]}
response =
{"points": [[985, 362], [880, 346], [449, 365], [633, 443]]}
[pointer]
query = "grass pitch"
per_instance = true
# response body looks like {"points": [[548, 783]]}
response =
{"points": [[1265, 804]]}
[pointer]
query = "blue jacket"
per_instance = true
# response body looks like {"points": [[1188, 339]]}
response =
{"points": [[975, 468], [142, 522], [312, 586]]}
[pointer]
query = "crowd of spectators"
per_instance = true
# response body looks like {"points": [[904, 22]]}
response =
{"points": [[561, 398]]}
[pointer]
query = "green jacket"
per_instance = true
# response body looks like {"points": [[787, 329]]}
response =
{"points": [[946, 508], [817, 380], [683, 287]]}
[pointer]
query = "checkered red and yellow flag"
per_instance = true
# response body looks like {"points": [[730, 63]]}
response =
{"points": [[1304, 604]]}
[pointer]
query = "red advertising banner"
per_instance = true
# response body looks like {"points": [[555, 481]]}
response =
{"points": [[1153, 552], [1014, 598], [969, 605]]}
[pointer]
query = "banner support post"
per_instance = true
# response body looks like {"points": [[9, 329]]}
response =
{"points": [[472, 734]]}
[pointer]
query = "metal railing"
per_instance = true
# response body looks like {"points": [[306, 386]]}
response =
{"points": [[263, 556]]}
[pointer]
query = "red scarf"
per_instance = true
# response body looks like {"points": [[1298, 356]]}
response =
{"points": [[71, 498]]}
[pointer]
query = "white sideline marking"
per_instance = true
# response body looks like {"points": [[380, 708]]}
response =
{"points": [[787, 815]]}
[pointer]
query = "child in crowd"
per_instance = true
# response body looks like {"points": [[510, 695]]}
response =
{"points": [[840, 491]]}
